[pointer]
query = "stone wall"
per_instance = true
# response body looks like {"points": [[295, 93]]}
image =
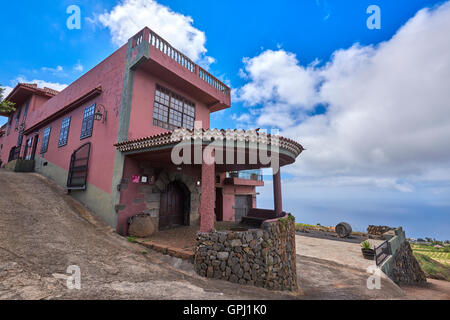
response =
{"points": [[20, 165], [148, 197], [401, 266], [258, 257], [406, 269], [378, 230]]}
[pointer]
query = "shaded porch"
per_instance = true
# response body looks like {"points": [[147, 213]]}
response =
{"points": [[232, 151]]}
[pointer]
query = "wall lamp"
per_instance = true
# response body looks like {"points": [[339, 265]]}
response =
{"points": [[98, 115]]}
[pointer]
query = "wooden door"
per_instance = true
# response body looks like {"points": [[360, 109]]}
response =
{"points": [[171, 211], [242, 204]]}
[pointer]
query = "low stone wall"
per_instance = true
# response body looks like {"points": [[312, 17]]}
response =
{"points": [[20, 165], [378, 230], [258, 257], [401, 266]]}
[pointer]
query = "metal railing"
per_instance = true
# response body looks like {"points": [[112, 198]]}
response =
{"points": [[382, 252], [255, 175], [163, 46]]}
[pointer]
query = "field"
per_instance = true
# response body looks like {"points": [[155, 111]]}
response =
{"points": [[435, 262], [441, 255]]}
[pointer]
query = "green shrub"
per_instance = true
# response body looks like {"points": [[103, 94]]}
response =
{"points": [[366, 245], [132, 239]]}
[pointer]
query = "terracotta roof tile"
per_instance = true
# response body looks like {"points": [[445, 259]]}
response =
{"points": [[169, 137], [44, 90]]}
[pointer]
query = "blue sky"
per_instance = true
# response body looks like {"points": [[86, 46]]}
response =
{"points": [[367, 104]]}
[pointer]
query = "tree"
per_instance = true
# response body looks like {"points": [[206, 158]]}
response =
{"points": [[5, 106]]}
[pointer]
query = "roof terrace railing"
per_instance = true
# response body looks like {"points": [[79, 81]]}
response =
{"points": [[163, 46], [207, 77], [246, 174]]}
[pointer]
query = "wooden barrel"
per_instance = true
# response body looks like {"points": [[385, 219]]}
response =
{"points": [[343, 229]]}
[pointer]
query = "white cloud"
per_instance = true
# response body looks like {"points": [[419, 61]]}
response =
{"points": [[130, 16], [245, 117], [56, 70], [325, 7], [277, 76], [78, 67], [7, 90], [42, 83], [387, 114]]}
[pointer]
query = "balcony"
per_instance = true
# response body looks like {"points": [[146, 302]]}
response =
{"points": [[173, 66], [163, 46], [245, 177]]}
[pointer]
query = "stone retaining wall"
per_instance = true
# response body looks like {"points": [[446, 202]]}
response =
{"points": [[258, 257], [20, 165], [401, 266], [405, 267], [378, 230]]}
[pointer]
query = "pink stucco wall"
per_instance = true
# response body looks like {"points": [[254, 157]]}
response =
{"points": [[109, 75], [141, 117], [130, 192], [35, 104], [229, 192], [10, 140], [223, 100]]}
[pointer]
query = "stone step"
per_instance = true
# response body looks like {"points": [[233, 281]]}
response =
{"points": [[185, 254]]}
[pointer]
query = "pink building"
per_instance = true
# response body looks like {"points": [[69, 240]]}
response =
{"points": [[108, 138]]}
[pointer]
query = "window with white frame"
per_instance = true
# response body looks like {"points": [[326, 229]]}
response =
{"points": [[64, 132], [45, 140], [88, 122], [171, 111]]}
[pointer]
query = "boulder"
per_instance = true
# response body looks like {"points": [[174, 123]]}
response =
{"points": [[141, 226]]}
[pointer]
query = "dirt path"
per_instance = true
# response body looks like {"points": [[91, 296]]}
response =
{"points": [[322, 279], [433, 290], [42, 233]]}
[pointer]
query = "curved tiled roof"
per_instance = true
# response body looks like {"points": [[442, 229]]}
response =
{"points": [[44, 90], [179, 135], [34, 87]]}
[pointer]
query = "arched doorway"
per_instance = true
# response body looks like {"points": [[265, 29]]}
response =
{"points": [[175, 206]]}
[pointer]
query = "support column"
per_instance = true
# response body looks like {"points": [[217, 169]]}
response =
{"points": [[208, 197], [278, 203]]}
